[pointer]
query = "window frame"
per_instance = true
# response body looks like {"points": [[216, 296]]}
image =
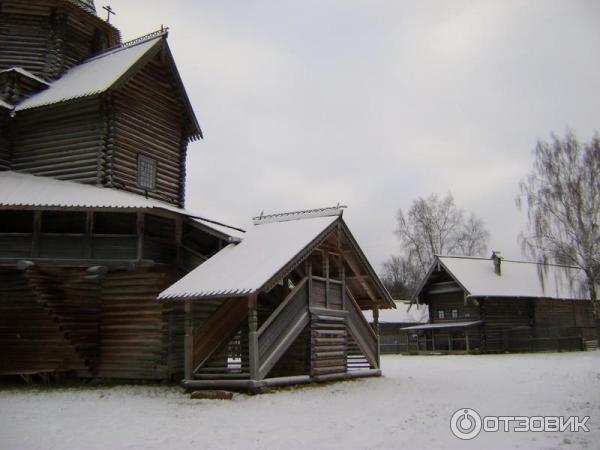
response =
{"points": [[147, 171]]}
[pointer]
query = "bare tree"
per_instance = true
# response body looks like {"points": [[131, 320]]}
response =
{"points": [[562, 195], [399, 277], [435, 226], [432, 226], [473, 238]]}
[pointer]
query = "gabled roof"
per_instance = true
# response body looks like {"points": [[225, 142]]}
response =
{"points": [[25, 73], [108, 71], [24, 190], [518, 279], [268, 250], [94, 76], [242, 269]]}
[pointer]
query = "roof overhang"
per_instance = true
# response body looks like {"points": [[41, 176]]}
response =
{"points": [[444, 326]]}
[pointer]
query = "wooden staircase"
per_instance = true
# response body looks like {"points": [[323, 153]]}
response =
{"points": [[72, 301], [282, 328], [33, 338], [363, 347], [218, 331]]}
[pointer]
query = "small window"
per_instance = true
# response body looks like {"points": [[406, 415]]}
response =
{"points": [[467, 315], [441, 314], [146, 172], [455, 313]]}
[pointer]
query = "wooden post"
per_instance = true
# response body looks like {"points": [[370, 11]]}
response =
{"points": [[37, 223], [253, 359], [309, 287], [178, 240], [449, 342], [140, 232], [376, 326], [432, 341], [467, 340], [343, 276], [89, 229], [326, 274], [189, 340]]}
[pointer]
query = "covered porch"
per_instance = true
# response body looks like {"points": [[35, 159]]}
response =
{"points": [[447, 337], [281, 307]]}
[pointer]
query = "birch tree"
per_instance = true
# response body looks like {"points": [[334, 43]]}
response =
{"points": [[562, 197]]}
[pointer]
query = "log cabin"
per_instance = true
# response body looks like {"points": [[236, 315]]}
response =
{"points": [[498, 305], [93, 226]]}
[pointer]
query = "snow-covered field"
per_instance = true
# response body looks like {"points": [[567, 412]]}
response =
{"points": [[410, 407]]}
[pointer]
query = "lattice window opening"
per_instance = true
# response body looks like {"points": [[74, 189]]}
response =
{"points": [[147, 168]]}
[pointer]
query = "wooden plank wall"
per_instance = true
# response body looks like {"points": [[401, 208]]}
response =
{"points": [[449, 301], [58, 142], [149, 122]]}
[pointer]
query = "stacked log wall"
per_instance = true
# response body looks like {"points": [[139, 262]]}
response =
{"points": [[134, 327], [30, 337], [149, 122], [502, 315], [63, 142], [448, 302], [5, 156], [47, 38]]}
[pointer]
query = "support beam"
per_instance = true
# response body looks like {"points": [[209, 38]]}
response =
{"points": [[355, 267], [376, 324], [189, 340], [253, 359]]}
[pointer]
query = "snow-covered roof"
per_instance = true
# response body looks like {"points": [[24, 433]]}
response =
{"points": [[517, 279], [94, 76], [402, 314], [242, 269], [5, 105], [20, 189]]}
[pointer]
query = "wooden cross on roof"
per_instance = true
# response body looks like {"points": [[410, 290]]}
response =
{"points": [[109, 12]]}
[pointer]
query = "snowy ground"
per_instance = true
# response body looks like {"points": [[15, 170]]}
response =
{"points": [[410, 407]]}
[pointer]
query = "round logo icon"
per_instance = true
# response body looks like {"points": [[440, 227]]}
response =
{"points": [[465, 424]]}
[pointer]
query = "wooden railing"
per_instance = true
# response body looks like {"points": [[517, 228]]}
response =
{"points": [[361, 331], [282, 328]]}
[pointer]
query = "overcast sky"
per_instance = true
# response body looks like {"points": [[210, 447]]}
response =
{"points": [[308, 103]]}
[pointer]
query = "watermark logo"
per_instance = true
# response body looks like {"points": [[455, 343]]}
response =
{"points": [[466, 423]]}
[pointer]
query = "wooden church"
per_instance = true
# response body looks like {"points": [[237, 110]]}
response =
{"points": [[93, 228]]}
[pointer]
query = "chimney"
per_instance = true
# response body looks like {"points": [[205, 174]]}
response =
{"points": [[497, 260]]}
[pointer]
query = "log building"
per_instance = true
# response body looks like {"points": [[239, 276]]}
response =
{"points": [[93, 226], [497, 305]]}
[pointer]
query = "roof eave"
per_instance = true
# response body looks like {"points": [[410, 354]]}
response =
{"points": [[385, 295]]}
